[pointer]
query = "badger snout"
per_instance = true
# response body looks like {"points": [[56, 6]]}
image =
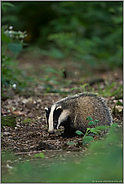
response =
{"points": [[51, 131]]}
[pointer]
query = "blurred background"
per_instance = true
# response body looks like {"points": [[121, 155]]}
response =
{"points": [[69, 39], [88, 31]]}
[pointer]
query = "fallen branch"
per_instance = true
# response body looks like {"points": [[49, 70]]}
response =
{"points": [[33, 152]]}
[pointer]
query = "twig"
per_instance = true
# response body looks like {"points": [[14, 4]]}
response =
{"points": [[33, 152]]}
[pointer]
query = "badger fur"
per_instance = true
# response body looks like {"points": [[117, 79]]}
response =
{"points": [[71, 112]]}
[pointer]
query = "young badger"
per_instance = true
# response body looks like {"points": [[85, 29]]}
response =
{"points": [[71, 112]]}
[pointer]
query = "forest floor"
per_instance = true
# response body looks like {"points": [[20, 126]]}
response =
{"points": [[55, 79]]}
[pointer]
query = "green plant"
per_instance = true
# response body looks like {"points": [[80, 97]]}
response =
{"points": [[90, 132], [28, 120], [12, 45], [1, 134], [91, 47], [85, 87], [110, 89], [101, 162], [113, 89], [39, 155], [53, 71], [8, 121], [76, 39], [92, 34], [12, 41], [71, 143]]}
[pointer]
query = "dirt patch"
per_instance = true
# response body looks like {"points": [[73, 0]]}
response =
{"points": [[30, 132]]}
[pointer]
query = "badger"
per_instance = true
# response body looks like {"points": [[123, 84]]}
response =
{"points": [[71, 112]]}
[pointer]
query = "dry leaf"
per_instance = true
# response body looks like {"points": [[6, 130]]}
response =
{"points": [[18, 113], [3, 112]]}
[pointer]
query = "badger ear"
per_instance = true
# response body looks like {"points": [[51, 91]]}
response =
{"points": [[59, 107], [46, 109]]}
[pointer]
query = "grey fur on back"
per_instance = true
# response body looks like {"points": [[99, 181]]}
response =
{"points": [[83, 105]]}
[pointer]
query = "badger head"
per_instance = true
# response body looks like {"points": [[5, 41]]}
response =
{"points": [[56, 116]]}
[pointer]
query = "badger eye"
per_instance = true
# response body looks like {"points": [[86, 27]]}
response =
{"points": [[58, 112], [56, 115]]}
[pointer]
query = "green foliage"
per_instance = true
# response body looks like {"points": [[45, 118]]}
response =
{"points": [[89, 118], [15, 47], [10, 74], [93, 44], [39, 155], [27, 120], [4, 4], [85, 87], [101, 162], [53, 71], [79, 132], [86, 31], [109, 90], [8, 121], [71, 143], [12, 41], [89, 37], [54, 52], [6, 155], [91, 123], [87, 138], [119, 103], [52, 77]]}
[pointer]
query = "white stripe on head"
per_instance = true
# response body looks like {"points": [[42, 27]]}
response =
{"points": [[64, 115], [59, 107], [50, 121]]}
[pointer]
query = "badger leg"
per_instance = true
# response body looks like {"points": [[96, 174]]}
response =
{"points": [[69, 131]]}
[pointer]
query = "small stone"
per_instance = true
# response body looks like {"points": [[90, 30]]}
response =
{"points": [[117, 109], [8, 166], [6, 133]]}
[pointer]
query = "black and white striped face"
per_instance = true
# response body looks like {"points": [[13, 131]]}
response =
{"points": [[55, 116]]}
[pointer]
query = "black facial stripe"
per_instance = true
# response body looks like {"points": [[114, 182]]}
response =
{"points": [[47, 113], [56, 116]]}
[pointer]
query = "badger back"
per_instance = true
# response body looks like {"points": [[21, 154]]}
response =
{"points": [[93, 106]]}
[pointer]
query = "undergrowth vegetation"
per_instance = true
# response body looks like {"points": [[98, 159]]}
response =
{"points": [[91, 131], [101, 162], [12, 77], [92, 34], [12, 45], [101, 47]]}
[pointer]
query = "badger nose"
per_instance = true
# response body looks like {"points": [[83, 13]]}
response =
{"points": [[51, 131]]}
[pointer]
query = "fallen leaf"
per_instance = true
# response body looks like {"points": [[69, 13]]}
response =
{"points": [[18, 113], [24, 101], [3, 112]]}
